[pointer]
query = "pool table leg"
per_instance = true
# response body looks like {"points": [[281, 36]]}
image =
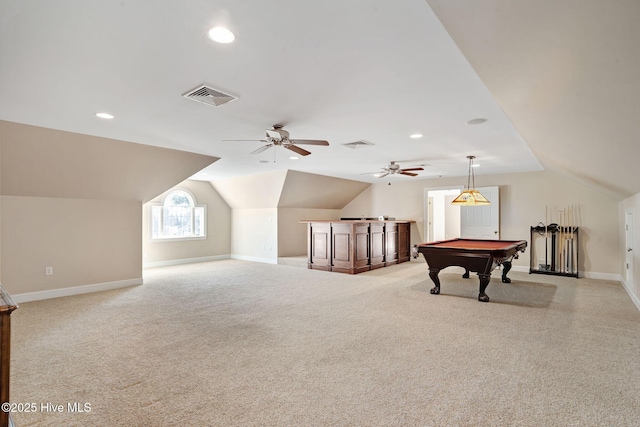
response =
{"points": [[466, 273], [433, 273], [506, 266], [484, 282]]}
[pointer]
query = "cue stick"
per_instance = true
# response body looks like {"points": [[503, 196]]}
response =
{"points": [[570, 242], [546, 238], [574, 240], [570, 245], [560, 238], [564, 240], [562, 246], [571, 231]]}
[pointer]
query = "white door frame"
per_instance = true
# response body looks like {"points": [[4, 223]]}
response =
{"points": [[629, 251], [426, 209]]}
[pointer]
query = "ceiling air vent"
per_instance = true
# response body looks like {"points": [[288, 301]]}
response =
{"points": [[210, 96], [358, 144]]}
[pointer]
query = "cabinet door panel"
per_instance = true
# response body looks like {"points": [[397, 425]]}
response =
{"points": [[362, 245], [320, 245], [377, 245], [391, 243], [342, 246], [404, 242]]}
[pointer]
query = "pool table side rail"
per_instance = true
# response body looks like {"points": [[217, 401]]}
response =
{"points": [[471, 246]]}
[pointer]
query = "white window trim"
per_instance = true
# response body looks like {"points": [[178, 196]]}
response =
{"points": [[180, 238]]}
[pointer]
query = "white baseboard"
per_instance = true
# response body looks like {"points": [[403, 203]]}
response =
{"points": [[184, 261], [75, 290], [587, 274], [601, 276], [255, 259]]}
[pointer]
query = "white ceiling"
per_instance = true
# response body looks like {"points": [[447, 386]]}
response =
{"points": [[373, 70]]}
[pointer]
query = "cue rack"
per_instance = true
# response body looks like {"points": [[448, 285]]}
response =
{"points": [[561, 249]]}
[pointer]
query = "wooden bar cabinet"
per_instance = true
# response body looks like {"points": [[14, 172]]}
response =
{"points": [[354, 246]]}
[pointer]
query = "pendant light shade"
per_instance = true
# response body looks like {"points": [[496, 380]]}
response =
{"points": [[470, 196]]}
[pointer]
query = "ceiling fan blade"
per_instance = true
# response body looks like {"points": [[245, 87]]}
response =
{"points": [[383, 175], [261, 149], [309, 141], [245, 140], [298, 150], [408, 173], [411, 169]]}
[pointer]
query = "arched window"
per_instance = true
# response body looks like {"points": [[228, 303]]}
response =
{"points": [[178, 217]]}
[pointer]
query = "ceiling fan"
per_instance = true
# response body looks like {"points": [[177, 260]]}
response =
{"points": [[393, 168], [280, 137]]}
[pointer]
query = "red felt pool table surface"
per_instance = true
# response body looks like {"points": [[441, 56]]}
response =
{"points": [[471, 244]]}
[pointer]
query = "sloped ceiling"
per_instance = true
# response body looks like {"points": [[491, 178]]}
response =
{"points": [[338, 70], [566, 74], [39, 162], [555, 79], [305, 190], [288, 189], [255, 191]]}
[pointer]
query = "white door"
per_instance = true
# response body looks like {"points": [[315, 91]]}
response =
{"points": [[629, 264], [482, 222]]}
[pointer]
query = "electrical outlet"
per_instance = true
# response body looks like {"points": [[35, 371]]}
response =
{"points": [[48, 271]]}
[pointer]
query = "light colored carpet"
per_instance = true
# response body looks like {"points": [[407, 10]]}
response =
{"points": [[235, 343]]}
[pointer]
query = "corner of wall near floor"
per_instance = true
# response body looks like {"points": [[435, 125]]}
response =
{"points": [[632, 295], [184, 261], [255, 259], [75, 290]]}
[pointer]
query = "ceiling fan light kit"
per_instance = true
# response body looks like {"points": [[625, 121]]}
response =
{"points": [[392, 168], [470, 196], [280, 137]]}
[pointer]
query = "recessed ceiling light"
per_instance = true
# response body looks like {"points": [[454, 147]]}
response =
{"points": [[477, 121], [416, 135], [104, 116], [221, 35]]}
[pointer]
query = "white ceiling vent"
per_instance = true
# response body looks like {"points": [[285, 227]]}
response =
{"points": [[358, 144], [210, 96]]}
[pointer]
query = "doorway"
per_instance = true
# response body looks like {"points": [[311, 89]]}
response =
{"points": [[629, 257], [444, 221]]}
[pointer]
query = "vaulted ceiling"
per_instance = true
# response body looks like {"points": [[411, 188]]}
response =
{"points": [[553, 79], [566, 74]]}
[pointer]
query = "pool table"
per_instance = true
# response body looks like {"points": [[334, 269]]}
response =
{"points": [[479, 256]]}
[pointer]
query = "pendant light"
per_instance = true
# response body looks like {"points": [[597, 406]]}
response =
{"points": [[470, 196]]}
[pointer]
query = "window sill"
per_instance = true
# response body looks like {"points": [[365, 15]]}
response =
{"points": [[176, 239]]}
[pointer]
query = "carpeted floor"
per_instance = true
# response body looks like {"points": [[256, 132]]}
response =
{"points": [[235, 343]]}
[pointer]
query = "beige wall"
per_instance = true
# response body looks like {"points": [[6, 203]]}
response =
{"points": [[523, 198], [218, 241], [292, 235], [267, 209], [85, 241], [74, 202], [254, 234]]}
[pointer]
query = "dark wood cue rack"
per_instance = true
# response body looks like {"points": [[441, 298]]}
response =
{"points": [[6, 308], [355, 246]]}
